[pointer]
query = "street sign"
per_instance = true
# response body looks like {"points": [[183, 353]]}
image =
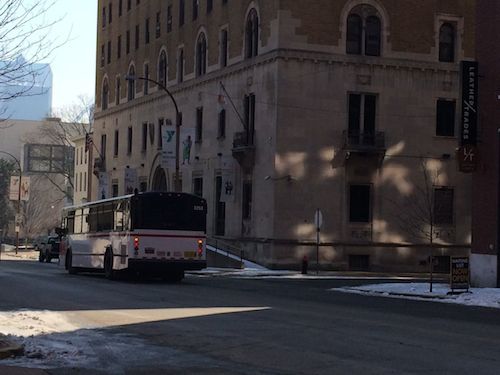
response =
{"points": [[459, 277], [18, 220], [318, 219]]}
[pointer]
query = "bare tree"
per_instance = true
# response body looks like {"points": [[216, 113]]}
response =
{"points": [[26, 40]]}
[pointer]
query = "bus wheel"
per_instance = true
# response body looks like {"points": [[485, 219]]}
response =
{"points": [[69, 263], [108, 265]]}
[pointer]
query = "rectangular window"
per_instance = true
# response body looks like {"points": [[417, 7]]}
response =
{"points": [[120, 8], [136, 36], [198, 186], [103, 16], [146, 82], [443, 205], [127, 42], [110, 15], [247, 200], [109, 53], [84, 181], [103, 146], [146, 31], [249, 104], [119, 47], [129, 4], [223, 48], [144, 136], [129, 141], [182, 6], [115, 190], [359, 204], [445, 118], [160, 138], [221, 130], [158, 25], [103, 57], [180, 66], [80, 182], [199, 124], [362, 119], [76, 181], [169, 18], [210, 5], [196, 4], [117, 96], [116, 143]]}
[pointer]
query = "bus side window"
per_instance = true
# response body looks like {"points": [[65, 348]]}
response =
{"points": [[78, 221], [119, 216], [70, 221], [85, 220], [93, 219]]}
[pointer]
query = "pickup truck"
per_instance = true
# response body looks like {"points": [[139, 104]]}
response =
{"points": [[48, 248]]}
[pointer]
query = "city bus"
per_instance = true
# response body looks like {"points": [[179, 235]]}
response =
{"points": [[155, 233]]}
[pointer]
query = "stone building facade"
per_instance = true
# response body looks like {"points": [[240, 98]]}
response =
{"points": [[345, 106]]}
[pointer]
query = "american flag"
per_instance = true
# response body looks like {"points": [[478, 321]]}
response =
{"points": [[88, 142]]}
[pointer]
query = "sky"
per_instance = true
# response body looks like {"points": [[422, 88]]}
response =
{"points": [[73, 64]]}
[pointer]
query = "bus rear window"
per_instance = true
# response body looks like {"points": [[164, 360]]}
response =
{"points": [[166, 212]]}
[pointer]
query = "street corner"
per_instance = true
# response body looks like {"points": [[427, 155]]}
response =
{"points": [[9, 348]]}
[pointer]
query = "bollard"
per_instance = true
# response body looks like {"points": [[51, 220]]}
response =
{"points": [[305, 264]]}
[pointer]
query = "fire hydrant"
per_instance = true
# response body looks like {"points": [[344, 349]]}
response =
{"points": [[305, 264]]}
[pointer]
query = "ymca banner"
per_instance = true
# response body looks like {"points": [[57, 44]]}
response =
{"points": [[168, 146]]}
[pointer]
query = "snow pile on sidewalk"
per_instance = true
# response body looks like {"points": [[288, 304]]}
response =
{"points": [[8, 253], [485, 297]]}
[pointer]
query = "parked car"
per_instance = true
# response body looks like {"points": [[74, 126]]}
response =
{"points": [[49, 248]]}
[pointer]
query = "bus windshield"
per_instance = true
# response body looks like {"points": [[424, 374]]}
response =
{"points": [[168, 211]]}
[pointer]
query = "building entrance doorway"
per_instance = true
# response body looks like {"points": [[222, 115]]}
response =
{"points": [[159, 180]]}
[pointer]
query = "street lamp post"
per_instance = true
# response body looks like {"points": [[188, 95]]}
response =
{"points": [[178, 124], [18, 196]]}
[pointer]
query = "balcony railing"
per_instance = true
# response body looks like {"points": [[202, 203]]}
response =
{"points": [[364, 142], [244, 149]]}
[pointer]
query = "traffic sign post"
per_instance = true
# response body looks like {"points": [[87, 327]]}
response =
{"points": [[318, 222]]}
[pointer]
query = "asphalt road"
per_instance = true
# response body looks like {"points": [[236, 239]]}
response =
{"points": [[268, 326]]}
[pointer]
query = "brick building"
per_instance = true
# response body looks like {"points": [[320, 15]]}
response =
{"points": [[486, 189], [348, 106]]}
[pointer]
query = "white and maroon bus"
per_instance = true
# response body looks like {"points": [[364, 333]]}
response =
{"points": [[154, 233]]}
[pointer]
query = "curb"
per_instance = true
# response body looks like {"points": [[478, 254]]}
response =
{"points": [[376, 292]]}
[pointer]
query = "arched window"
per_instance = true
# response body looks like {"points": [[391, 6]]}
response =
{"points": [[201, 55], [162, 68], [354, 34], [252, 34], [364, 32], [131, 83], [447, 43], [105, 94]]}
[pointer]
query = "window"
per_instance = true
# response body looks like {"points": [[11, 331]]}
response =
{"points": [[158, 25], [160, 138], [117, 94], [131, 84], [143, 186], [180, 66], [109, 53], [84, 181], [182, 6], [146, 31], [145, 81], [223, 48], [144, 137], [136, 36], [443, 205], [103, 146], [199, 124], [103, 16], [361, 121], [114, 190], [359, 204], [198, 186], [221, 130], [129, 141], [447, 43], [116, 143], [76, 181], [252, 34], [169, 18], [110, 13], [201, 55], [120, 8], [103, 57], [119, 47], [196, 6], [162, 68], [210, 5], [364, 32], [247, 200], [49, 158], [249, 112], [80, 182], [127, 42], [445, 118], [129, 4], [105, 94]]}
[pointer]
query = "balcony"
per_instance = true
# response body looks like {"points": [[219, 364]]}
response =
{"points": [[99, 166], [367, 143], [244, 149]]}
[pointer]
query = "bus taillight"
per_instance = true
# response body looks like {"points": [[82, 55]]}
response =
{"points": [[200, 248], [136, 243]]}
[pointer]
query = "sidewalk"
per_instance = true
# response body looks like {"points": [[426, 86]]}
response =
{"points": [[9, 348], [8, 370]]}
